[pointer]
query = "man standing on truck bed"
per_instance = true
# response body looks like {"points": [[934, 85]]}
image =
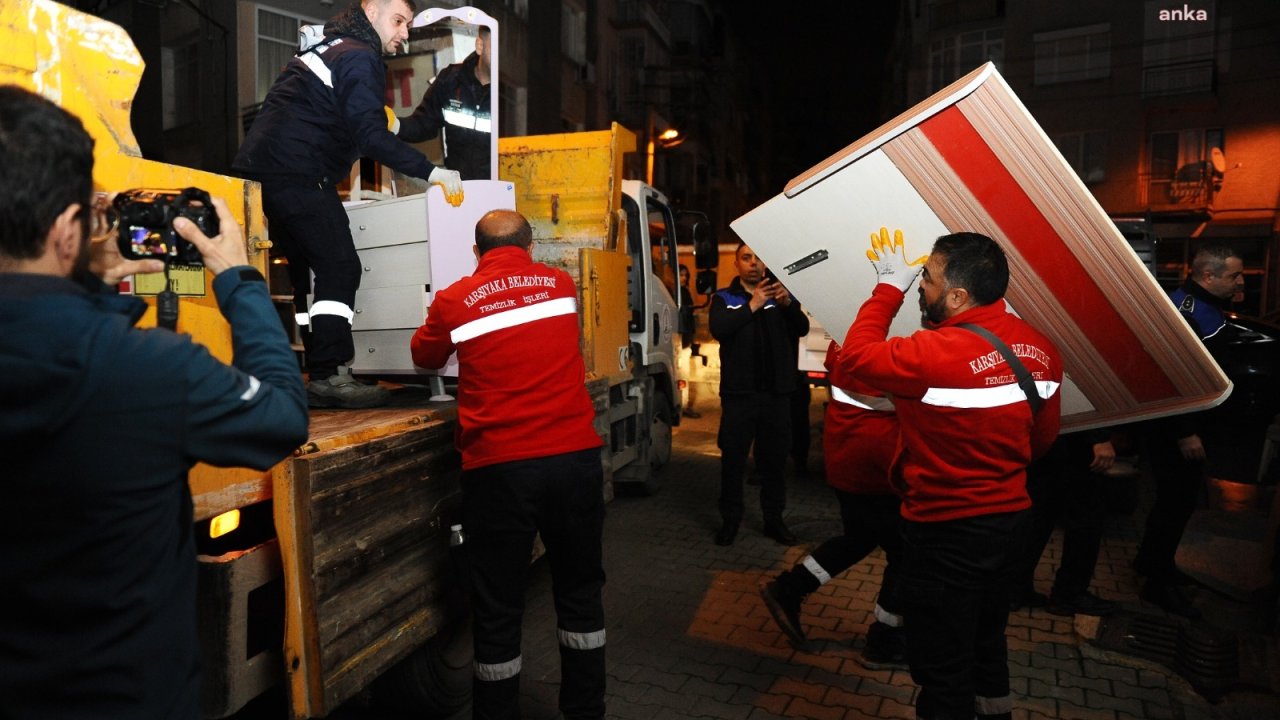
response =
{"points": [[102, 422], [325, 110], [458, 104], [530, 461], [758, 326]]}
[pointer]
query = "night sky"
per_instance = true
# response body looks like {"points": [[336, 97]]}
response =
{"points": [[819, 67]]}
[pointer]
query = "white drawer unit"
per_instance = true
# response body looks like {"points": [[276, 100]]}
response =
{"points": [[389, 222], [383, 267], [408, 248], [383, 352], [391, 308], [386, 352]]}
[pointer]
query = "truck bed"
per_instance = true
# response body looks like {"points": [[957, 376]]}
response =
{"points": [[410, 407], [362, 512]]}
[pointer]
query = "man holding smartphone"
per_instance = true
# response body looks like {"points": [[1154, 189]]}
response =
{"points": [[758, 325]]}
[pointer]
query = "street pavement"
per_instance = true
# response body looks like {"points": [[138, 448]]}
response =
{"points": [[688, 636]]}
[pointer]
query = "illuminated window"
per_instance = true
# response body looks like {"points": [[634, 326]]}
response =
{"points": [[277, 34]]}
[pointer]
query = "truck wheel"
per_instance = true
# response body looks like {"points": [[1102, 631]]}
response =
{"points": [[637, 477], [660, 441], [641, 476], [435, 680]]}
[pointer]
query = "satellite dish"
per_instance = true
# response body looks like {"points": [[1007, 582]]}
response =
{"points": [[1218, 161]]}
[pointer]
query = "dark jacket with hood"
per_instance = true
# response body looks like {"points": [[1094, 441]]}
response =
{"points": [[101, 423], [757, 349], [326, 110], [459, 103]]}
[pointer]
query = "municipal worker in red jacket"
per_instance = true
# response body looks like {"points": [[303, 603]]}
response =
{"points": [[859, 439], [530, 461], [969, 430]]}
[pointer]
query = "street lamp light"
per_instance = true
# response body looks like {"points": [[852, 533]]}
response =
{"points": [[669, 137]]}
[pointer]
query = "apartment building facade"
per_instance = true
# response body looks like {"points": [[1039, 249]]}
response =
{"points": [[1165, 110]]}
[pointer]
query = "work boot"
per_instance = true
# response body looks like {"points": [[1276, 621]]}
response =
{"points": [[727, 533], [344, 391], [1082, 603], [1027, 598], [784, 606], [1169, 598], [886, 645], [1167, 573], [777, 530]]}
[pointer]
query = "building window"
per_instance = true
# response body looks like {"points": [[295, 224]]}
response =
{"points": [[181, 73], [1085, 152], [1177, 57], [633, 57], [573, 33], [952, 56], [277, 34], [519, 7], [1181, 166], [1070, 55]]}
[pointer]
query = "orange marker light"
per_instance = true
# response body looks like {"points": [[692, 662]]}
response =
{"points": [[224, 523]]}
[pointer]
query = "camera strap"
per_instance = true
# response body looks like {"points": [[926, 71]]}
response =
{"points": [[1025, 381], [167, 302]]}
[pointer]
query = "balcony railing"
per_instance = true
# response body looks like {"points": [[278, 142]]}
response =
{"points": [[1190, 190], [1177, 78]]}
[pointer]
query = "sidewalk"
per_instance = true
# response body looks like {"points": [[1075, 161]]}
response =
{"points": [[689, 638]]}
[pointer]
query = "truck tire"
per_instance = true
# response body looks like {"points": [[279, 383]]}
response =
{"points": [[660, 435], [641, 476], [434, 681]]}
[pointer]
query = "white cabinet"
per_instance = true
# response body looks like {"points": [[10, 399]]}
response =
{"points": [[408, 248]]}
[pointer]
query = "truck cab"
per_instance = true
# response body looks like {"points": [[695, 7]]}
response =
{"points": [[653, 286]]}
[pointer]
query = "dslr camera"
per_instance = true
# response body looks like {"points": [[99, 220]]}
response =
{"points": [[145, 219]]}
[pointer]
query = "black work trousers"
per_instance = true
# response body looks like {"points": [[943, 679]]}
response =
{"points": [[761, 421], [953, 587], [1062, 489], [800, 426], [504, 506], [309, 225], [1179, 483], [870, 521]]}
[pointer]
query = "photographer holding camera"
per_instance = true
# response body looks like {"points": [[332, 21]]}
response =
{"points": [[102, 422]]}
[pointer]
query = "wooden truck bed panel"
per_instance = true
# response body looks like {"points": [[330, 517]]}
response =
{"points": [[362, 514]]}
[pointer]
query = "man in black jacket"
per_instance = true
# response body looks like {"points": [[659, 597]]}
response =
{"points": [[458, 103], [758, 325], [102, 421], [325, 110], [1173, 445]]}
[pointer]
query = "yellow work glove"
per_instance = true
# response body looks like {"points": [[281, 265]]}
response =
{"points": [[393, 122], [449, 181], [889, 258]]}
